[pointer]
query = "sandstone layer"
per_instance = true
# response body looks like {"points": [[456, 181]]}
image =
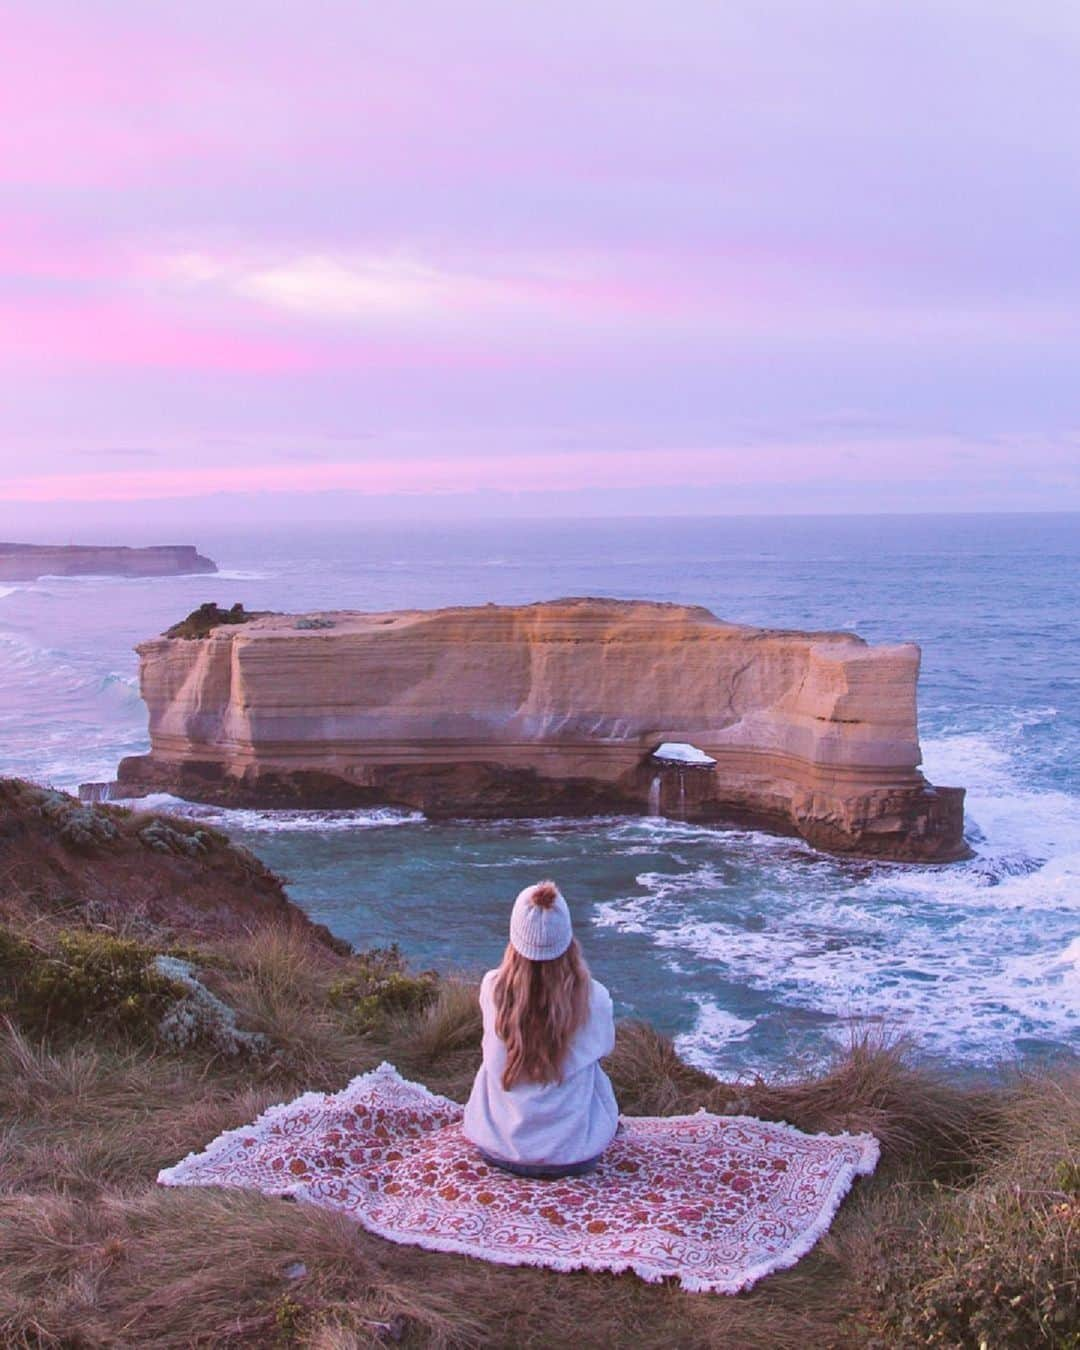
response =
{"points": [[552, 708], [28, 562]]}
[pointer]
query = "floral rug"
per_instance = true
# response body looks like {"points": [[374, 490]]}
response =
{"points": [[714, 1201]]}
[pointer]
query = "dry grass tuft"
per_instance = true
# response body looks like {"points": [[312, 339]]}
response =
{"points": [[168, 1266], [35, 1073], [994, 1260], [875, 1085], [279, 984], [442, 1040], [282, 961], [649, 1077]]}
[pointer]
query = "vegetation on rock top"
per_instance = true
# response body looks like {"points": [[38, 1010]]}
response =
{"points": [[208, 616]]}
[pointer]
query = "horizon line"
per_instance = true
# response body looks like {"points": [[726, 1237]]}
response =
{"points": [[485, 516]]}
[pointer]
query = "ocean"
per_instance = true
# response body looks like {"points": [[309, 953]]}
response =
{"points": [[756, 953]]}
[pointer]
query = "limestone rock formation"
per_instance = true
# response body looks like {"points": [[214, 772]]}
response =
{"points": [[28, 562], [553, 708]]}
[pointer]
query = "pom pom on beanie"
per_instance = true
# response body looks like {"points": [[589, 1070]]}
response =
{"points": [[540, 926], [544, 894]]}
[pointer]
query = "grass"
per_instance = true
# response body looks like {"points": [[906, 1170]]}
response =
{"points": [[968, 1234], [994, 1260]]}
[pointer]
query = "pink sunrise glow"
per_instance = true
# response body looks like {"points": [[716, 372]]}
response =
{"points": [[779, 250]]}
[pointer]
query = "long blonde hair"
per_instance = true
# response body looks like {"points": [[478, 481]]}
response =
{"points": [[538, 1007]]}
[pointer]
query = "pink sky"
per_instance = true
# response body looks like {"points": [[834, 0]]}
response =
{"points": [[785, 256]]}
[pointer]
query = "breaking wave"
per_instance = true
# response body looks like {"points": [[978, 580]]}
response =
{"points": [[251, 821], [982, 955]]}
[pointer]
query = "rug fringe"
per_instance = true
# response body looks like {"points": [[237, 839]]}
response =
{"points": [[176, 1175]]}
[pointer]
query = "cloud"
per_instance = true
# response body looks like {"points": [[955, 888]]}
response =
{"points": [[343, 288], [409, 292]]}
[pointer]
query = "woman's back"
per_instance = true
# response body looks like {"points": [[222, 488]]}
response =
{"points": [[568, 1118]]}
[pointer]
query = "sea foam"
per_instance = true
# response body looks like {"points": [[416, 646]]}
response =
{"points": [[253, 821], [982, 954]]}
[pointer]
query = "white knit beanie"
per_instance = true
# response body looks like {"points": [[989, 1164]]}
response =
{"points": [[540, 926]]}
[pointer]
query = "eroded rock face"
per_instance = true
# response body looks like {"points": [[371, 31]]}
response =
{"points": [[27, 562], [549, 709]]}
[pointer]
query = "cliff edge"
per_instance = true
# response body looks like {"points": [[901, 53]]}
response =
{"points": [[552, 708], [107, 865], [28, 562]]}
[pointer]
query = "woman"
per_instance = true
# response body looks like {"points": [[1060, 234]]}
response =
{"points": [[541, 1105]]}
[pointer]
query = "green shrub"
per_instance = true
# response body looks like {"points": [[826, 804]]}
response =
{"points": [[1067, 1176], [15, 952], [289, 1318], [89, 978], [381, 985], [200, 621]]}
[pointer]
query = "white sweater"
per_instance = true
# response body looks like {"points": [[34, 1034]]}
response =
{"points": [[546, 1122]]}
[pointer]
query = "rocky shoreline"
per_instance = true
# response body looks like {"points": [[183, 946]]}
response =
{"points": [[556, 708]]}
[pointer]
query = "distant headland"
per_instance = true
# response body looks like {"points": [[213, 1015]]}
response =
{"points": [[28, 562], [569, 707]]}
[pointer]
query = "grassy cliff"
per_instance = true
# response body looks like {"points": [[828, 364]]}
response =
{"points": [[157, 987]]}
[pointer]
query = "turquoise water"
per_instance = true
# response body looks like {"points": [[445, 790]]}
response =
{"points": [[756, 952]]}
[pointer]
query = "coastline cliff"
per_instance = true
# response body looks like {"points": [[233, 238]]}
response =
{"points": [[28, 562], [551, 708]]}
